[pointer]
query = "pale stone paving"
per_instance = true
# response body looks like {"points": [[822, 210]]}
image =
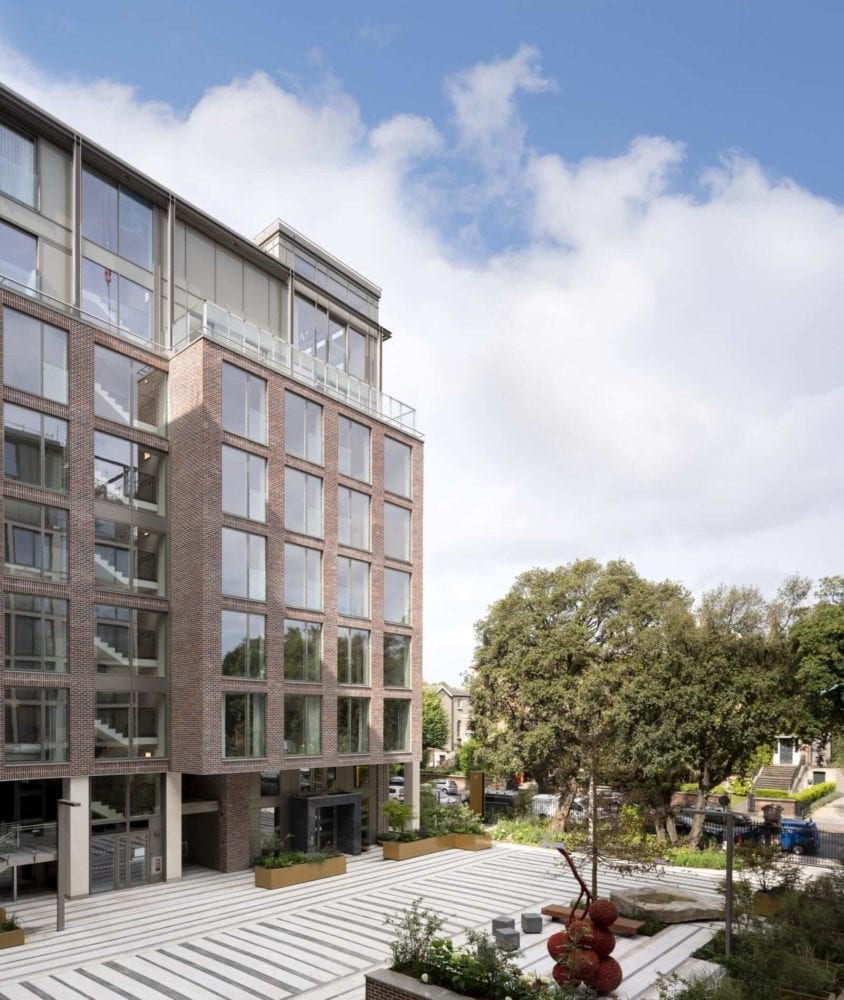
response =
{"points": [[215, 935]]}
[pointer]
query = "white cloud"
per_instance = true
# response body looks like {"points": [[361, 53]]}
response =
{"points": [[653, 373]]}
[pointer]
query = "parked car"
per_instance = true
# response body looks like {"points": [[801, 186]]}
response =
{"points": [[445, 791], [714, 823], [501, 802], [395, 788], [800, 836], [579, 812]]}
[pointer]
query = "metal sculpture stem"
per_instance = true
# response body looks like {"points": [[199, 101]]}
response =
{"points": [[584, 891]]}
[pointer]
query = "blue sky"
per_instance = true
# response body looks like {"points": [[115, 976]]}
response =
{"points": [[610, 237]]}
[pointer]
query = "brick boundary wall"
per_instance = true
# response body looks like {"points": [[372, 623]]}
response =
{"points": [[388, 985]]}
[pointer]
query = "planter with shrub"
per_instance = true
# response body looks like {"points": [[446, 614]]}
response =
{"points": [[275, 869], [11, 932]]}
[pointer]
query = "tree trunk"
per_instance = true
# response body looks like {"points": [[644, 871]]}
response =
{"points": [[593, 827], [696, 832], [671, 829], [567, 794]]}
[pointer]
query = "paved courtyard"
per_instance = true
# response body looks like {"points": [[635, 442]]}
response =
{"points": [[215, 935]]}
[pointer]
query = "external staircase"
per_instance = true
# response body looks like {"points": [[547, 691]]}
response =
{"points": [[779, 776]]}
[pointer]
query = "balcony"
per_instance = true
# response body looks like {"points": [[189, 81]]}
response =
{"points": [[217, 324]]}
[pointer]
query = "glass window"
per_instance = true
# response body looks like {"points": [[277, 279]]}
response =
{"points": [[116, 219], [302, 577], [17, 165], [396, 597], [244, 484], [36, 725], [34, 356], [302, 503], [353, 449], [116, 300], [396, 724], [352, 656], [244, 565], [129, 392], [36, 633], [244, 404], [353, 587], [35, 448], [396, 467], [303, 428], [18, 255], [130, 724], [128, 474], [36, 540], [396, 660], [352, 725], [357, 354], [302, 651], [396, 532], [127, 557], [245, 725], [353, 518], [130, 642], [243, 653], [302, 725]]}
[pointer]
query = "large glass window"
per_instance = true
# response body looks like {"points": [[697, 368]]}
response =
{"points": [[302, 725], [244, 484], [36, 540], [396, 532], [34, 356], [17, 165], [36, 725], [326, 336], [116, 300], [129, 392], [396, 597], [352, 656], [244, 404], [396, 467], [302, 428], [302, 577], [243, 653], [302, 503], [129, 642], [353, 587], [245, 725], [353, 518], [244, 565], [116, 219], [302, 651], [352, 725], [36, 633], [127, 557], [128, 474], [130, 724], [396, 724], [35, 448], [18, 256], [353, 449], [396, 660]]}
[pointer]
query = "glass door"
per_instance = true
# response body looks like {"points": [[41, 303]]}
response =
{"points": [[326, 828]]}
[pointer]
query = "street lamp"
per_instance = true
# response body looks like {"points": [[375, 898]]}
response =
{"points": [[61, 867]]}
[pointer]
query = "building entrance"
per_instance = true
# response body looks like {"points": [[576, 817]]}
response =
{"points": [[127, 846], [120, 860]]}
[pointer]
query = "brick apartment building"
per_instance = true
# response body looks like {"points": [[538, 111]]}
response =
{"points": [[212, 525]]}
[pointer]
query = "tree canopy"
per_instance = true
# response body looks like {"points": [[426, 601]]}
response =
{"points": [[818, 643], [434, 720]]}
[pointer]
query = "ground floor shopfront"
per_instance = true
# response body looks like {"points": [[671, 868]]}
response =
{"points": [[136, 829]]}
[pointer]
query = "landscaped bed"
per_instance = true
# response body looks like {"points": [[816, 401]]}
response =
{"points": [[276, 869]]}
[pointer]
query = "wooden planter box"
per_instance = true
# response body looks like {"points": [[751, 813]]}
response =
{"points": [[395, 850], [278, 878], [9, 939]]}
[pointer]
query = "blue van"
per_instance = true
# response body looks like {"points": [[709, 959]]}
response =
{"points": [[800, 836]]}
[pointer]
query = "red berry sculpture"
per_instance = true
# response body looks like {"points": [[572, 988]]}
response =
{"points": [[603, 912], [585, 963], [608, 977], [603, 942], [562, 975], [558, 945], [580, 932]]}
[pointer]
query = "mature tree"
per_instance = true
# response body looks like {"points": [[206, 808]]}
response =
{"points": [[818, 643], [704, 696], [434, 720], [545, 655]]}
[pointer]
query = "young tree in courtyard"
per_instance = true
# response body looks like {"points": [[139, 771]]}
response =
{"points": [[434, 720]]}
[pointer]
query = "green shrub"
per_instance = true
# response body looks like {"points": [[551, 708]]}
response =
{"points": [[815, 792], [772, 793], [11, 923], [688, 858], [688, 787], [397, 814], [288, 859], [531, 831]]}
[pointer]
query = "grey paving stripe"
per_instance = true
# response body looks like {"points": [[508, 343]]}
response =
{"points": [[185, 975], [251, 954], [39, 992], [109, 986], [152, 983], [218, 975], [318, 940], [318, 959], [254, 973]]}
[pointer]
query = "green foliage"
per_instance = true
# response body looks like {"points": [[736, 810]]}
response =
{"points": [[434, 719], [415, 930], [528, 831], [10, 923], [772, 793], [685, 857], [815, 792], [288, 859], [818, 644], [397, 814], [436, 819], [466, 757]]}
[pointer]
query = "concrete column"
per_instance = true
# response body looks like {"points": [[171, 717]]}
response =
{"points": [[77, 862], [411, 790], [172, 825]]}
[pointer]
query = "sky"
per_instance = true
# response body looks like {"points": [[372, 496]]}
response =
{"points": [[610, 237]]}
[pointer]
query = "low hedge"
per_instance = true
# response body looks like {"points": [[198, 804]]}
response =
{"points": [[815, 792], [772, 793]]}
